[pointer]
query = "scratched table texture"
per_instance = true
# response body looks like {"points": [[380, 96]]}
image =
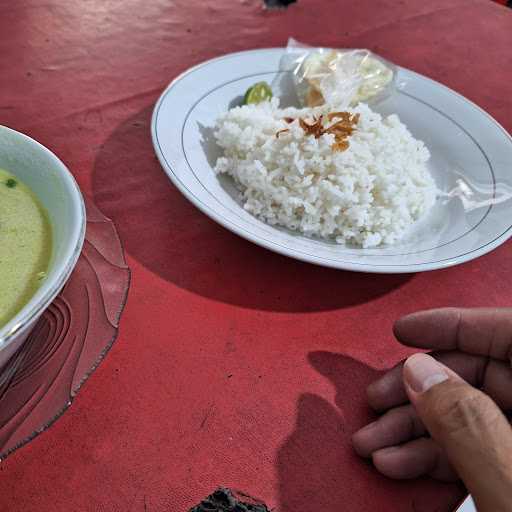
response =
{"points": [[234, 365]]}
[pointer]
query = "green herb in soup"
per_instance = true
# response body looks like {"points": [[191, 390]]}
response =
{"points": [[25, 245]]}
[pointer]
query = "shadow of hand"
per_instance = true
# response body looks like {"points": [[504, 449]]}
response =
{"points": [[319, 470]]}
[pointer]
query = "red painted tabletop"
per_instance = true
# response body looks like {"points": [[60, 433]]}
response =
{"points": [[234, 365]]}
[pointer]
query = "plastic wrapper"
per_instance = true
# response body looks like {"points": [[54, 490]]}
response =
{"points": [[343, 77], [473, 195]]}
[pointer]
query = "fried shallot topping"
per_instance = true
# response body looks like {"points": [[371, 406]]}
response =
{"points": [[342, 128], [315, 129]]}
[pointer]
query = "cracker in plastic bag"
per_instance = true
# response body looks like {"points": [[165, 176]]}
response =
{"points": [[340, 77]]}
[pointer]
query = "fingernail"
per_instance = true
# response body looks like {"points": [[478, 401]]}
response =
{"points": [[421, 372]]}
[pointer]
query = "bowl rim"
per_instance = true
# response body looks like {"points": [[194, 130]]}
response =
{"points": [[31, 311]]}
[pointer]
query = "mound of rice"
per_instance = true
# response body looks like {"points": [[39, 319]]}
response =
{"points": [[367, 195]]}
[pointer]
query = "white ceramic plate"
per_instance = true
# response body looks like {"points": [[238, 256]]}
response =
{"points": [[464, 142]]}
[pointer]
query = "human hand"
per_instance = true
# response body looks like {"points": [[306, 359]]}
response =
{"points": [[470, 436]]}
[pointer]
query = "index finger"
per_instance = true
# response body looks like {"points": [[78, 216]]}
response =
{"points": [[479, 331]]}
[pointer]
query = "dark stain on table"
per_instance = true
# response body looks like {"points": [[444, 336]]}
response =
{"points": [[278, 4], [206, 416], [226, 500]]}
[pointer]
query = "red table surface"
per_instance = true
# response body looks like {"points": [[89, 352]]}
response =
{"points": [[234, 365]]}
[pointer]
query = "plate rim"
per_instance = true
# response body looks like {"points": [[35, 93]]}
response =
{"points": [[269, 244]]}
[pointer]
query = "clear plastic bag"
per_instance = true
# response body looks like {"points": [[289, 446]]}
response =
{"points": [[473, 195], [343, 77]]}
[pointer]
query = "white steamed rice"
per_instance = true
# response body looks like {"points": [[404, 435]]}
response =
{"points": [[368, 195]]}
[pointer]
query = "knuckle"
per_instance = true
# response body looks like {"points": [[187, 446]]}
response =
{"points": [[463, 409]]}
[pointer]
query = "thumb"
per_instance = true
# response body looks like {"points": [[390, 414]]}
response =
{"points": [[468, 426]]}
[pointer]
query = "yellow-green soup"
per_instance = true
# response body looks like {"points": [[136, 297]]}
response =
{"points": [[25, 245]]}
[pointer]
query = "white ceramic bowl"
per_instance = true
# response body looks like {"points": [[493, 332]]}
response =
{"points": [[58, 191]]}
